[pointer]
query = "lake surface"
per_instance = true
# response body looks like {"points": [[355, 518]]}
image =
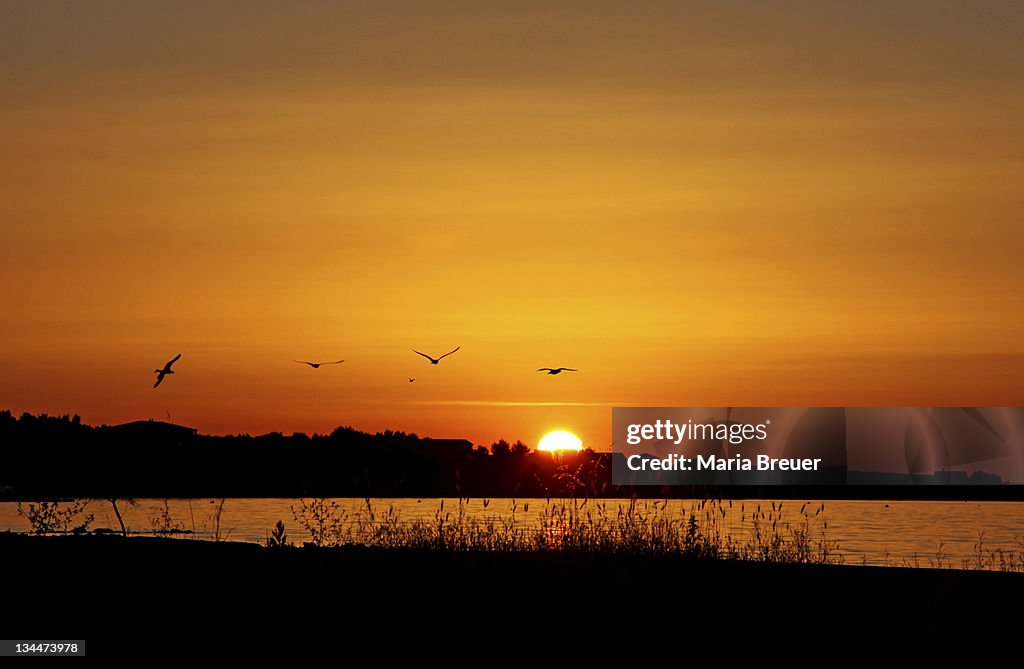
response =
{"points": [[868, 532]]}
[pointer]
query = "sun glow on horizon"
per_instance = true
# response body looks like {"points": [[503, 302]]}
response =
{"points": [[560, 440]]}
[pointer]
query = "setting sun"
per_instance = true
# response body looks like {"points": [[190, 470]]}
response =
{"points": [[560, 440]]}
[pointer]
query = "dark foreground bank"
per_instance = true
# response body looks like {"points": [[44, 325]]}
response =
{"points": [[176, 593]]}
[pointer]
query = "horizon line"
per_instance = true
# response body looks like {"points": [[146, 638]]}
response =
{"points": [[501, 403]]}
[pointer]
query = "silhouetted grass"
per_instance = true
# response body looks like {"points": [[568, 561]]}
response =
{"points": [[163, 523], [57, 517], [635, 527], [995, 559], [779, 532]]}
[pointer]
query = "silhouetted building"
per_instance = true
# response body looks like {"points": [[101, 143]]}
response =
{"points": [[953, 477]]}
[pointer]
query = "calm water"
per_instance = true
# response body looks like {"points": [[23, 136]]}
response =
{"points": [[874, 532]]}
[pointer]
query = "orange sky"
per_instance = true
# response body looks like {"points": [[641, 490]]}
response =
{"points": [[717, 204]]}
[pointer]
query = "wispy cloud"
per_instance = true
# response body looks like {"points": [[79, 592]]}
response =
{"points": [[497, 403]]}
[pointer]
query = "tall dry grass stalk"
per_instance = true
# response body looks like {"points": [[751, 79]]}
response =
{"points": [[709, 529]]}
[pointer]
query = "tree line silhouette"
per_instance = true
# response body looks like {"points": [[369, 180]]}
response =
{"points": [[44, 456]]}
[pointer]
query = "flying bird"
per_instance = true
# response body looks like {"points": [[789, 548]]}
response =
{"points": [[434, 361], [557, 370], [161, 373], [316, 365], [411, 380]]}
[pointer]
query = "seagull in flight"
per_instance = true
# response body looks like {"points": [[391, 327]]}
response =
{"points": [[161, 373], [316, 365], [411, 380], [556, 370], [434, 361]]}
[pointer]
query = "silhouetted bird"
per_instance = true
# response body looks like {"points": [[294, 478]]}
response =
{"points": [[434, 361], [161, 373], [411, 380], [557, 370], [316, 365]]}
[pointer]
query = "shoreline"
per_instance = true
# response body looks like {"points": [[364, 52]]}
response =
{"points": [[925, 493]]}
